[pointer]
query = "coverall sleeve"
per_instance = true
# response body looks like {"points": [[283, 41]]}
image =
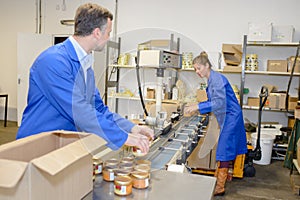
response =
{"points": [[217, 101], [123, 123], [67, 94]]}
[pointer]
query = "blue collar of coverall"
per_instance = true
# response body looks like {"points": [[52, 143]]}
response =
{"points": [[70, 49], [210, 76]]}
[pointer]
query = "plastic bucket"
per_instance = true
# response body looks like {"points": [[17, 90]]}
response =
{"points": [[266, 143]]}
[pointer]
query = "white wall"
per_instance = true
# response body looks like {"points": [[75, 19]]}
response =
{"points": [[207, 23], [16, 16]]}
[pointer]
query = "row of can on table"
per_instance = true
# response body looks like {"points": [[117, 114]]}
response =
{"points": [[125, 174]]}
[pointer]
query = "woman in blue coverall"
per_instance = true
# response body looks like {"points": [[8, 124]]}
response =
{"points": [[224, 104]]}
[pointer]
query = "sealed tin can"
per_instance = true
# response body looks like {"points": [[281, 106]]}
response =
{"points": [[140, 180], [123, 185], [108, 173]]}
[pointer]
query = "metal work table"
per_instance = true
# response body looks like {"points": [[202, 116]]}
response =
{"points": [[163, 185]]}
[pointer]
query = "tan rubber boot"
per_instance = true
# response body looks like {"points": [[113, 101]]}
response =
{"points": [[216, 171], [221, 180]]}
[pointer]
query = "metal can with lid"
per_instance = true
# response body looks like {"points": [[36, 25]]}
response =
{"points": [[123, 185], [140, 180], [108, 173]]}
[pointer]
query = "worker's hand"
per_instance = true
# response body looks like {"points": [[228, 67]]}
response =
{"points": [[138, 140], [143, 130], [191, 109]]}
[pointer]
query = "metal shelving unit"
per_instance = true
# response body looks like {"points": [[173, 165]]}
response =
{"points": [[244, 72], [115, 68]]}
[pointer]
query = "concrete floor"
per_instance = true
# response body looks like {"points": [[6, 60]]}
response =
{"points": [[272, 182]]}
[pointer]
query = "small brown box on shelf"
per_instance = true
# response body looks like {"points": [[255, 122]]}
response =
{"points": [[297, 116], [277, 100], [253, 101], [150, 93], [228, 68], [292, 103], [232, 54], [277, 65], [273, 100], [291, 63]]}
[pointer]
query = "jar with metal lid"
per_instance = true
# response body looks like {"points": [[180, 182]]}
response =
{"points": [[111, 162], [128, 159], [137, 152], [140, 180], [97, 165], [121, 172], [123, 185], [143, 162], [108, 173], [126, 166], [143, 168]]}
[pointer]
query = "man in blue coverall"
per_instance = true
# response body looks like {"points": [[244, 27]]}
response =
{"points": [[62, 93]]}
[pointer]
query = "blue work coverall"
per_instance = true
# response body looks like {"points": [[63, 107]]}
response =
{"points": [[59, 98], [223, 103]]}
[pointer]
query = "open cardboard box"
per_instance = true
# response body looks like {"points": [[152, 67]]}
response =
{"points": [[51, 165]]}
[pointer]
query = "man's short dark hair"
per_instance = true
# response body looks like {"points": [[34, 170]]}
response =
{"points": [[90, 16]]}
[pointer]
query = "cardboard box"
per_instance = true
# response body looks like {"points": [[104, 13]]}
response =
{"points": [[273, 100], [232, 68], [282, 98], [283, 34], [156, 44], [291, 63], [201, 95], [253, 101], [297, 116], [167, 107], [51, 165], [277, 65], [292, 103], [260, 32], [271, 88], [277, 100], [150, 93], [232, 54], [207, 162]]}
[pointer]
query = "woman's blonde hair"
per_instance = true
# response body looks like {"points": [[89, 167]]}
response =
{"points": [[202, 59]]}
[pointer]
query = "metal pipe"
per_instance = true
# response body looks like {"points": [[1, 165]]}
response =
{"points": [[160, 75]]}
